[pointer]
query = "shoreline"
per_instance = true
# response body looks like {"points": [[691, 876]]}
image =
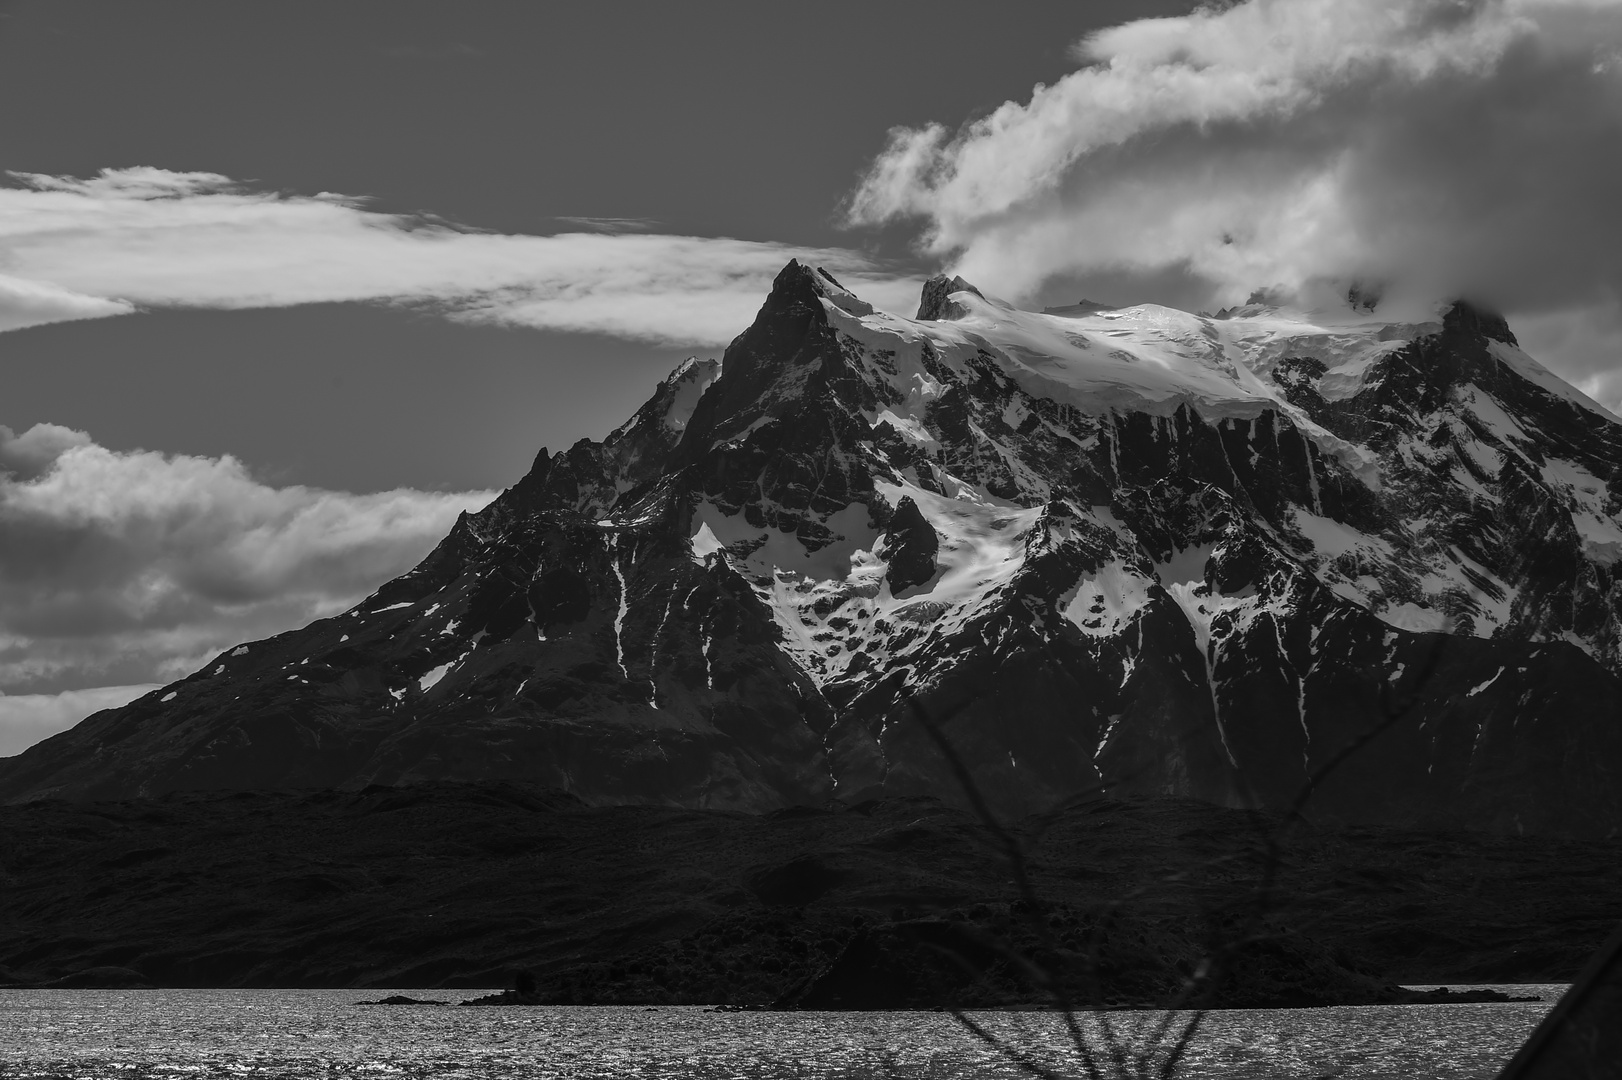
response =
{"points": [[1497, 993]]}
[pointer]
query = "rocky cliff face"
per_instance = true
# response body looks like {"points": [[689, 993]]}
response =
{"points": [[1132, 549]]}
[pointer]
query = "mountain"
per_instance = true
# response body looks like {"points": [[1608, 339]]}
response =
{"points": [[863, 555]]}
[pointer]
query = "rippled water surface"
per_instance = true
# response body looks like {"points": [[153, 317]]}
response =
{"points": [[322, 1033]]}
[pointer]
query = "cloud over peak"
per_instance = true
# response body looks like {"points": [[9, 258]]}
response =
{"points": [[1442, 147]]}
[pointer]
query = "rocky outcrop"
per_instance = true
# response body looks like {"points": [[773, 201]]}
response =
{"points": [[909, 546], [936, 302]]}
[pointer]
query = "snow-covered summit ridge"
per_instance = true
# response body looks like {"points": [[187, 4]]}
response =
{"points": [[986, 404], [1152, 358]]}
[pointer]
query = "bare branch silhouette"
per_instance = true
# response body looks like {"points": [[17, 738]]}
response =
{"points": [[1158, 1047]]}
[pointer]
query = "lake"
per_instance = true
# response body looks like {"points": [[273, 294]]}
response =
{"points": [[298, 1034]]}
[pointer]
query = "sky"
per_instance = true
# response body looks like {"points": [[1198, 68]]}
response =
{"points": [[285, 288]]}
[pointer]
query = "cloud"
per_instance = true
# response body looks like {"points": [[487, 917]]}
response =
{"points": [[31, 454], [34, 303], [147, 237], [1434, 147], [611, 224], [136, 567], [25, 719]]}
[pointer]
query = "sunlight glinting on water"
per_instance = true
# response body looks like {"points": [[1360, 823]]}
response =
{"points": [[309, 1034]]}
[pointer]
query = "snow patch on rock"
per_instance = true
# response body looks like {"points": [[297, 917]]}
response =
{"points": [[434, 675], [1107, 601], [1588, 498]]}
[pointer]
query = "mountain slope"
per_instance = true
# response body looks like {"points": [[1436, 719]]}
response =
{"points": [[1133, 548]]}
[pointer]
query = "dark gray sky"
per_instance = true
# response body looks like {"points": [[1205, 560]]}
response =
{"points": [[713, 119]]}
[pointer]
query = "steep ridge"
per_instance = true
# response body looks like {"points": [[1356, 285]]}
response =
{"points": [[1133, 549]]}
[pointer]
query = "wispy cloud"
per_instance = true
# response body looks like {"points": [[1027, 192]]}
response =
{"points": [[611, 224], [136, 567], [146, 237], [1436, 147]]}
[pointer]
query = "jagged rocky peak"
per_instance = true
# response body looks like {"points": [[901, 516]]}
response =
{"points": [[1130, 548], [936, 303], [592, 474], [800, 282], [784, 364], [1465, 317], [676, 396]]}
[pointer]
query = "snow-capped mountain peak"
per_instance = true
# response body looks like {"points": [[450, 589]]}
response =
{"points": [[1132, 547]]}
